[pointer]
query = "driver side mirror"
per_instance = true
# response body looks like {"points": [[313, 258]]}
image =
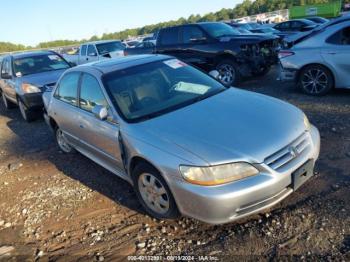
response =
{"points": [[215, 74], [100, 112]]}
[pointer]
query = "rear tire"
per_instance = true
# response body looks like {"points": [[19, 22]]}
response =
{"points": [[229, 74], [153, 192], [8, 104], [316, 80], [27, 114]]}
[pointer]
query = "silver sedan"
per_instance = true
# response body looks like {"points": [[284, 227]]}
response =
{"points": [[319, 60], [186, 143]]}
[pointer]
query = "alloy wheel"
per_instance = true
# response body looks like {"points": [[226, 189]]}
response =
{"points": [[314, 81], [62, 141], [227, 74], [153, 193]]}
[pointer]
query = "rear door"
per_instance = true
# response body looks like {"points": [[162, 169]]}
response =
{"points": [[64, 107], [336, 53], [99, 138]]}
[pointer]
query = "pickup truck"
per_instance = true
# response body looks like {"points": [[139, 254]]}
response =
{"points": [[216, 46], [95, 51]]}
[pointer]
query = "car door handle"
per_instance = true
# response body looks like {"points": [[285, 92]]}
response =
{"points": [[81, 126], [332, 53]]}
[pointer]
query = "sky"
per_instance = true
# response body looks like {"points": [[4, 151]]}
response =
{"points": [[29, 22]]}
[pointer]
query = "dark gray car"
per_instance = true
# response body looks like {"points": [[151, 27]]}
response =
{"points": [[25, 75]]}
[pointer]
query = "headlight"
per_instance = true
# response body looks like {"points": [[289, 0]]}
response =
{"points": [[217, 175], [28, 88], [307, 123]]}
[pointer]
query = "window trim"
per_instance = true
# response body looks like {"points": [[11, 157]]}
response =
{"points": [[79, 92], [58, 86]]}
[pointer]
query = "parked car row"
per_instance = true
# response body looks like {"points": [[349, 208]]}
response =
{"points": [[165, 127], [162, 120]]}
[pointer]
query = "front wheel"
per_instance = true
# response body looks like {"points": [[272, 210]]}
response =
{"points": [[229, 74], [62, 142], [316, 80], [154, 193]]}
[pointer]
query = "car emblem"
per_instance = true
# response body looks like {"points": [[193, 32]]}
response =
{"points": [[293, 151]]}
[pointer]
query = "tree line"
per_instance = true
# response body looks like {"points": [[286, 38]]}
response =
{"points": [[246, 8]]}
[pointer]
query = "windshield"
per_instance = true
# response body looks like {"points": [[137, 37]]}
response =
{"points": [[156, 88], [109, 47], [217, 30], [38, 64]]}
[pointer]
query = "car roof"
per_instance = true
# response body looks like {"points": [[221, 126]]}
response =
{"points": [[100, 42], [31, 53], [115, 64]]}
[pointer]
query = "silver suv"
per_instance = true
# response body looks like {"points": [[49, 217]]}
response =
{"points": [[185, 142]]}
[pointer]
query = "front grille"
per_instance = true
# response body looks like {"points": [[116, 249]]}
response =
{"points": [[289, 153]]}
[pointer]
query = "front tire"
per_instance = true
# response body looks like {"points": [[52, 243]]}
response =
{"points": [[154, 193], [62, 142], [26, 113], [316, 80], [229, 74]]}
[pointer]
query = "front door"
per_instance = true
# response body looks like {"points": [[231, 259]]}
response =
{"points": [[100, 138]]}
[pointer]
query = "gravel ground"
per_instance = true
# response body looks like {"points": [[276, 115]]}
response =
{"points": [[61, 207]]}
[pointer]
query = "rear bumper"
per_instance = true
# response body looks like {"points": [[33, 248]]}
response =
{"points": [[229, 202], [33, 101]]}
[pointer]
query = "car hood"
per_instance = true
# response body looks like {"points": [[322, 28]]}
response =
{"points": [[234, 125], [42, 79]]}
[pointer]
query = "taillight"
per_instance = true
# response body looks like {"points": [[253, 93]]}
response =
{"points": [[283, 54], [125, 53]]}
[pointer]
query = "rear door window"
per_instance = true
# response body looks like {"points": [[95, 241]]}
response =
{"points": [[67, 89], [170, 36], [342, 37], [91, 93]]}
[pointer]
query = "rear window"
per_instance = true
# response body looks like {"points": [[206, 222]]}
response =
{"points": [[38, 64], [170, 36]]}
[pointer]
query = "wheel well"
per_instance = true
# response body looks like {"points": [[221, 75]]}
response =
{"points": [[53, 123], [137, 160], [315, 64]]}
